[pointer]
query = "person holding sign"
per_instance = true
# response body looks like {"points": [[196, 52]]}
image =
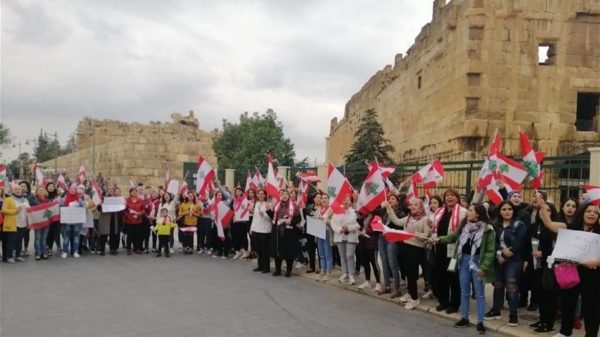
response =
{"points": [[110, 225], [70, 231], [586, 219]]}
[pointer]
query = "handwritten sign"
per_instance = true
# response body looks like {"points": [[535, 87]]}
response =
{"points": [[576, 246], [316, 227], [113, 204], [173, 187], [72, 215]]}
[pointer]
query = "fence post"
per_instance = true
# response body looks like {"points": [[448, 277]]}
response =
{"points": [[468, 182], [594, 166]]}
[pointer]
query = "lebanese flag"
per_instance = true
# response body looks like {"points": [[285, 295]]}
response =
{"points": [[489, 165], [593, 194], [42, 215], [2, 175], [188, 229], [281, 181], [396, 235], [82, 176], [258, 180], [338, 187], [386, 170], [412, 192], [492, 191], [61, 182], [39, 175], [511, 172], [223, 215], [532, 161], [308, 176], [167, 178], [372, 191], [241, 209], [377, 224], [249, 183], [390, 186], [418, 176], [96, 193], [204, 176], [272, 184], [434, 175], [183, 189], [303, 194]]}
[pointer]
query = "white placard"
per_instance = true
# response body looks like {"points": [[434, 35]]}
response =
{"points": [[173, 187], [576, 246], [72, 215], [113, 204], [316, 227]]}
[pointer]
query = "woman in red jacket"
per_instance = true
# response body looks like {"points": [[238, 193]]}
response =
{"points": [[134, 216]]}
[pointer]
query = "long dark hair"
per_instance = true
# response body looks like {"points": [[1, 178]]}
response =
{"points": [[578, 219], [499, 220], [51, 195], [162, 199], [561, 213], [482, 213]]}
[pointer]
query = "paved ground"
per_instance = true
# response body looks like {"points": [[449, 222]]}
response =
{"points": [[190, 296]]}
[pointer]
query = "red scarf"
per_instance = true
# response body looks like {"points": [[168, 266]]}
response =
{"points": [[454, 220], [289, 213], [70, 198]]}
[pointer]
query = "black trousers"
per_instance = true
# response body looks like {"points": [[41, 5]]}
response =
{"points": [[547, 300], [22, 241], [9, 242], [311, 248], [223, 246], [369, 260], [590, 296], [135, 234], [203, 233], [239, 237], [187, 239], [53, 236], [146, 233], [444, 283], [163, 243], [413, 256], [289, 264], [568, 302], [262, 250]]}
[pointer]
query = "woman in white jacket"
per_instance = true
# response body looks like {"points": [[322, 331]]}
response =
{"points": [[345, 235], [261, 229]]}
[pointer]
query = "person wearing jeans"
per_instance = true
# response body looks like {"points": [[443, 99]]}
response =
{"points": [[388, 251], [345, 235], [474, 255], [322, 212]]}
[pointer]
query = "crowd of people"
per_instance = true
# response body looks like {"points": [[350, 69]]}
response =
{"points": [[457, 248]]}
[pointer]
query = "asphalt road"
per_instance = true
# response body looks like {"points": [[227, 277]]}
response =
{"points": [[120, 296]]}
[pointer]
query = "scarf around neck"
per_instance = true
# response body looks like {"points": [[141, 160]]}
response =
{"points": [[454, 220], [472, 231], [289, 210]]}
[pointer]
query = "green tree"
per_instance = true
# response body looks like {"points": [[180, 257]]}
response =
{"points": [[4, 136], [20, 168], [369, 144], [46, 148], [244, 145]]}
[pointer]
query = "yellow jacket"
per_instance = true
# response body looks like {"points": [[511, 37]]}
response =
{"points": [[164, 228], [9, 209], [190, 220]]}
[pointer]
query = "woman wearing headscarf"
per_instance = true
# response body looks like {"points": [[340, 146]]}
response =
{"points": [[413, 250], [70, 232], [284, 233]]}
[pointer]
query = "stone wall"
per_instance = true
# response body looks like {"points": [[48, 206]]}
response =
{"points": [[142, 152], [474, 69]]}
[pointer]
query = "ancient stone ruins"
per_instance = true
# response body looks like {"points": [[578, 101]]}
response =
{"points": [[122, 150], [482, 65]]}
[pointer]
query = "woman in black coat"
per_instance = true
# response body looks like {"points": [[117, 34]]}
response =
{"points": [[285, 232]]}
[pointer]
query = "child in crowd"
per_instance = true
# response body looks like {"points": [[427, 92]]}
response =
{"points": [[163, 227]]}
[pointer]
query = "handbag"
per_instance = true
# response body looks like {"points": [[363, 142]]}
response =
{"points": [[567, 275], [548, 279]]}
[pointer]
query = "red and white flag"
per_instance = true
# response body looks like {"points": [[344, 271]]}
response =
{"points": [[391, 187], [308, 176], [386, 170], [281, 181], [303, 198], [183, 189], [532, 161], [223, 215], [188, 229], [396, 235], [61, 182], [249, 184], [338, 187], [512, 173], [204, 176], [412, 192], [272, 184], [39, 175], [592, 194], [489, 166], [241, 208], [82, 175], [96, 193], [167, 178], [431, 174], [42, 215], [492, 191], [258, 180], [377, 224], [2, 175], [372, 191]]}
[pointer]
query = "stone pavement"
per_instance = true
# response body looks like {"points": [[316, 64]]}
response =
{"points": [[126, 296]]}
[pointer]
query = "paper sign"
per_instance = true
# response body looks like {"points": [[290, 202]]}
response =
{"points": [[576, 246], [173, 187], [113, 204], [72, 215], [316, 227]]}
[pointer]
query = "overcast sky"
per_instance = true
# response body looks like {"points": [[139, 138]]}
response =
{"points": [[135, 60]]}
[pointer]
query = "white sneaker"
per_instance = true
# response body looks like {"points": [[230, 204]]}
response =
{"points": [[298, 265], [172, 251], [405, 298], [411, 304], [364, 286], [560, 335], [63, 255], [325, 278], [21, 259], [245, 254], [201, 251], [76, 255], [237, 255], [352, 280], [342, 278], [378, 287], [402, 283], [10, 260], [427, 295]]}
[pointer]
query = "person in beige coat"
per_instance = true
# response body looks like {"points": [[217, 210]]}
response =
{"points": [[345, 235]]}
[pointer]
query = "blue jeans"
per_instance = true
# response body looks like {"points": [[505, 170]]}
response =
{"points": [[388, 252], [325, 253], [466, 276], [40, 240], [508, 276], [70, 233]]}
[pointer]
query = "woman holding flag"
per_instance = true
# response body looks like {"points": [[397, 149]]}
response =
{"points": [[284, 233], [241, 216], [41, 234], [54, 229], [261, 230], [413, 250], [345, 235], [388, 251]]}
